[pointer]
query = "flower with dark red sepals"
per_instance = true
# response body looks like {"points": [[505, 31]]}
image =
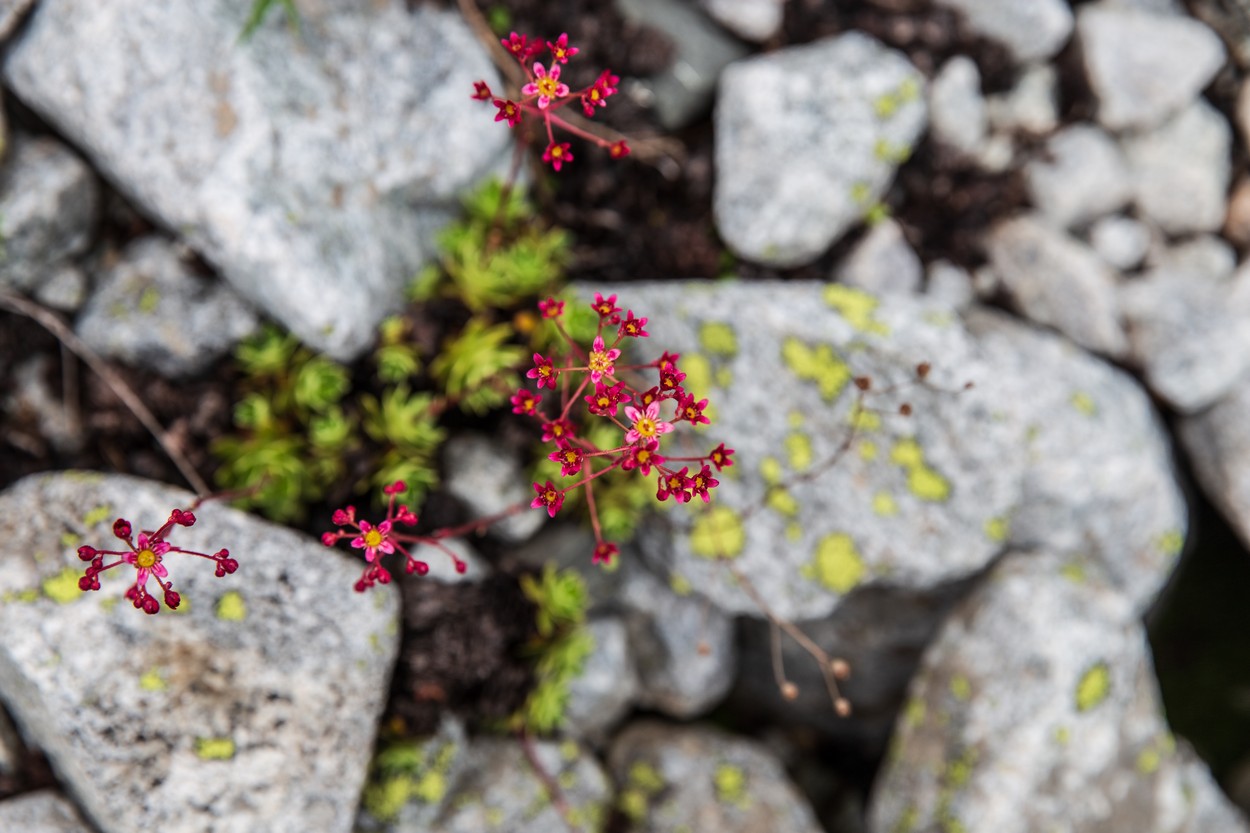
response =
{"points": [[606, 307], [525, 402], [396, 488], [667, 359], [642, 457], [701, 482], [560, 50], [544, 370], [509, 111], [481, 91], [633, 327], [605, 551], [619, 150], [720, 457], [602, 361], [557, 154], [671, 379], [549, 498], [518, 45], [692, 411], [648, 396], [558, 430], [674, 484], [551, 308], [182, 518], [121, 528], [606, 399], [569, 457]]}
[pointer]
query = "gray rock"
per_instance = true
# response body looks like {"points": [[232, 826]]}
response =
{"points": [[914, 496], [1037, 709], [956, 107], [10, 748], [997, 155], [410, 779], [753, 20], [1190, 334], [1058, 281], [488, 478], [11, 14], [949, 284], [41, 812], [608, 685], [1031, 31], [1144, 67], [684, 91], [33, 402], [1205, 258], [1121, 242], [1079, 175], [499, 790], [152, 310], [1099, 483], [65, 288], [311, 170], [1217, 442], [676, 779], [882, 262], [253, 707], [807, 140], [48, 205], [1182, 170], [1227, 18], [1031, 106], [685, 653]]}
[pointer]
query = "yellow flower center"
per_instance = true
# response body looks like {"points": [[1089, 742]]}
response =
{"points": [[373, 538], [643, 456], [691, 413], [570, 456], [603, 402], [645, 426], [145, 558], [599, 362], [549, 496], [547, 86]]}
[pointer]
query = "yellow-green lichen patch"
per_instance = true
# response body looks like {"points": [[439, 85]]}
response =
{"points": [[861, 193], [214, 749], [836, 564], [886, 105], [884, 504], [886, 151], [717, 533], [908, 90], [782, 502], [770, 470], [231, 607], [819, 365], [863, 420], [907, 821], [907, 453], [923, 481], [961, 689], [494, 816], [724, 378], [799, 451], [959, 771], [97, 515], [645, 777], [997, 529], [108, 604], [62, 587], [679, 584], [1073, 571], [718, 339], [1093, 687], [1084, 404], [914, 712], [794, 531], [569, 751], [1148, 760], [1171, 543], [430, 787], [1062, 735], [633, 804], [153, 680], [70, 539], [148, 300], [731, 785], [796, 419], [876, 213], [867, 451], [857, 307]]}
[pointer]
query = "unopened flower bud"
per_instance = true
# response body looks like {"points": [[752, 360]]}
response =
{"points": [[790, 691], [121, 528], [842, 706], [841, 668]]}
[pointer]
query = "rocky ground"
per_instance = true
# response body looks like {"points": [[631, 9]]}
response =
{"points": [[1038, 580]]}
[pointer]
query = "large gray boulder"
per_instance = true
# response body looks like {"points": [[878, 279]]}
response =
{"points": [[1031, 32], [251, 708], [41, 812], [1037, 709], [807, 141], [311, 169]]}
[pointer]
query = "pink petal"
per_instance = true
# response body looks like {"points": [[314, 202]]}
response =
{"points": [[358, 542], [160, 570]]}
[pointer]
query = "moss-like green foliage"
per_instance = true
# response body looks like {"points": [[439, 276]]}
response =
{"points": [[497, 256], [260, 9], [561, 649], [478, 367]]}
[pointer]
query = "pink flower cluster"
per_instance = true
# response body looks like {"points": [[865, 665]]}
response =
{"points": [[147, 555], [544, 94], [592, 378]]}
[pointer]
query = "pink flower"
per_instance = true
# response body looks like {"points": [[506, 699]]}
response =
{"points": [[525, 402], [519, 46], [481, 91], [604, 552], [675, 484], [569, 457], [647, 424], [374, 540], [146, 558], [557, 430], [619, 150], [720, 457], [546, 85], [701, 482], [544, 371], [606, 399], [560, 50], [551, 308], [606, 307], [633, 327], [602, 362], [509, 111], [557, 154], [642, 457], [690, 410], [549, 498]]}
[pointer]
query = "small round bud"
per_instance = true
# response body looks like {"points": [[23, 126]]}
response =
{"points": [[396, 488], [905, 409], [150, 605], [704, 649], [329, 538], [969, 385], [841, 668], [461, 567], [172, 599], [789, 690], [182, 518], [341, 517], [121, 528], [842, 706], [86, 553], [421, 567], [863, 382], [922, 370]]}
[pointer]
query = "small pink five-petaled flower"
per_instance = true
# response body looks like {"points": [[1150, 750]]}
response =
{"points": [[374, 539], [647, 424], [546, 85], [602, 362]]}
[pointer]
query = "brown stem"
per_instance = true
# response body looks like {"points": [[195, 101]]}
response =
{"points": [[549, 782], [53, 324]]}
